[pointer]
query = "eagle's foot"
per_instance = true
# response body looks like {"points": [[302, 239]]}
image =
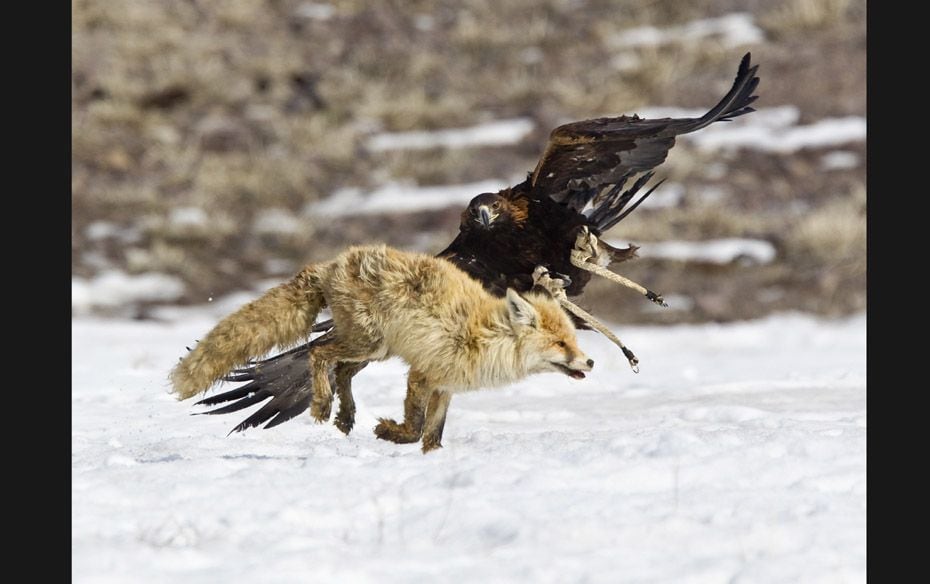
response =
{"points": [[552, 282], [588, 246], [586, 242]]}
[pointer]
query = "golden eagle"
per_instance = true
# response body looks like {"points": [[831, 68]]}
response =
{"points": [[577, 191]]}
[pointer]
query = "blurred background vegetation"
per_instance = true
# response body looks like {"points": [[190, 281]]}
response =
{"points": [[204, 131]]}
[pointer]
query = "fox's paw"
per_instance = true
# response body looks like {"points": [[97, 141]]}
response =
{"points": [[321, 410], [345, 417], [345, 422], [430, 445], [386, 428], [390, 430]]}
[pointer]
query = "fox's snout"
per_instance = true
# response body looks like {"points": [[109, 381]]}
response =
{"points": [[576, 366], [582, 363]]}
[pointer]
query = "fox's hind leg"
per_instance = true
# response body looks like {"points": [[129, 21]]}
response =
{"points": [[345, 417], [418, 393], [435, 420], [322, 358]]}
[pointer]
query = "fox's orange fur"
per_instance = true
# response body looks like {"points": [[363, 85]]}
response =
{"points": [[453, 334]]}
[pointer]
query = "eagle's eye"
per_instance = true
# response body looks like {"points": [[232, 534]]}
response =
{"points": [[496, 205]]}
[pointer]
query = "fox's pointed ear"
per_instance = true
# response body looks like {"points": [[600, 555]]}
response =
{"points": [[521, 312]]}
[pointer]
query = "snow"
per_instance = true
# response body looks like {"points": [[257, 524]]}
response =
{"points": [[736, 455], [839, 160], [278, 221], [424, 22], [400, 197], [280, 266], [115, 288], [731, 30], [772, 129], [669, 194], [99, 230], [715, 251], [497, 133], [189, 217], [821, 134], [315, 11]]}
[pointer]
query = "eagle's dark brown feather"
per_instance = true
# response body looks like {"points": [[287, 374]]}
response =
{"points": [[580, 181]]}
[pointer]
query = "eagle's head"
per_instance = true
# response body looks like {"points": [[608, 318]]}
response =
{"points": [[492, 210]]}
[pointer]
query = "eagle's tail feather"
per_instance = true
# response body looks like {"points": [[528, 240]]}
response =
{"points": [[284, 378]]}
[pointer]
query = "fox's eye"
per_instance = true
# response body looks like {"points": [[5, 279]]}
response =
{"points": [[561, 344]]}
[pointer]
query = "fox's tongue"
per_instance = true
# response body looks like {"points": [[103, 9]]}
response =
{"points": [[573, 373]]}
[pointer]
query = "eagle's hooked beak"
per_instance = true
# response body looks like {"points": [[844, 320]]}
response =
{"points": [[484, 216]]}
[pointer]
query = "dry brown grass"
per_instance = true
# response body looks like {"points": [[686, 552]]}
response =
{"points": [[239, 106], [834, 233], [803, 16]]}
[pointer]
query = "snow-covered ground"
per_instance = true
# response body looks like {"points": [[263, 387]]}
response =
{"points": [[773, 129], [400, 197], [113, 288], [736, 455], [730, 30], [496, 133]]}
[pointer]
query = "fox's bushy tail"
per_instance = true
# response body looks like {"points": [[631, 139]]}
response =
{"points": [[283, 316]]}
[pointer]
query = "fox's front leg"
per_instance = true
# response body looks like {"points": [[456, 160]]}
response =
{"points": [[418, 393], [435, 420]]}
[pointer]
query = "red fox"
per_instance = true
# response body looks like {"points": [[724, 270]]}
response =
{"points": [[454, 335]]}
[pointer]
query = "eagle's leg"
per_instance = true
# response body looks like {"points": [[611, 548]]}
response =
{"points": [[589, 256], [551, 282], [556, 287]]}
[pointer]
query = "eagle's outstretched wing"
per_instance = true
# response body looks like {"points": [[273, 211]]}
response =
{"points": [[586, 164]]}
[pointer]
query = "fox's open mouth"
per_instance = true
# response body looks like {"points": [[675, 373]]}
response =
{"points": [[574, 374]]}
